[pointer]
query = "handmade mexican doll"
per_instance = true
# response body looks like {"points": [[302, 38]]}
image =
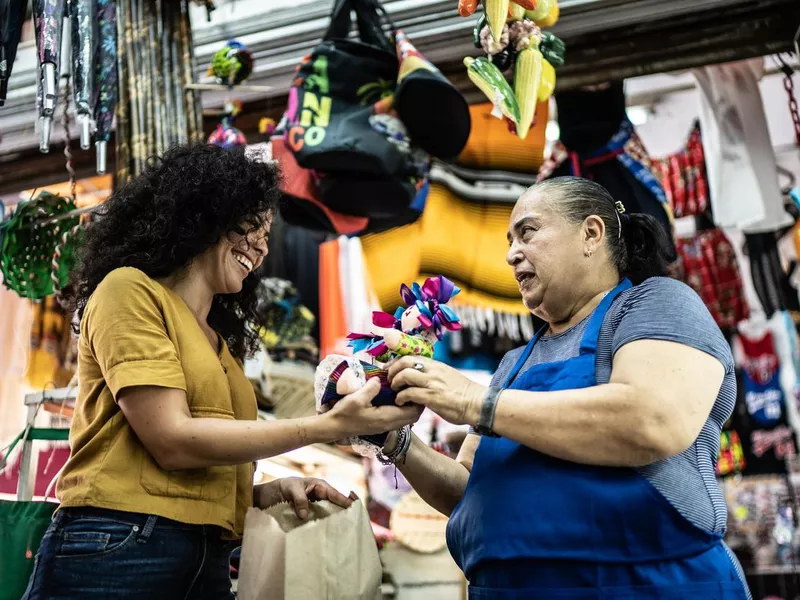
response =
{"points": [[413, 330]]}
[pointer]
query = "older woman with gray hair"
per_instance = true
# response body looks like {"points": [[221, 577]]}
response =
{"points": [[590, 469]]}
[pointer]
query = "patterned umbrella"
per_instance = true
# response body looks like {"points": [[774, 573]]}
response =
{"points": [[48, 18], [83, 18], [106, 79], [12, 15]]}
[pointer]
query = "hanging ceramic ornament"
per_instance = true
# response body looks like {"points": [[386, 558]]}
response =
{"points": [[232, 64], [514, 42], [226, 135]]}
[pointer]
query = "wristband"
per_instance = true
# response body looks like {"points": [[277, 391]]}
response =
{"points": [[486, 419]]}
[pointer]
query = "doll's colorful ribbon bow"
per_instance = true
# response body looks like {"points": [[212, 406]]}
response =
{"points": [[430, 299]]}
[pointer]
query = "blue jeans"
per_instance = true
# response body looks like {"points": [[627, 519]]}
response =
{"points": [[92, 553]]}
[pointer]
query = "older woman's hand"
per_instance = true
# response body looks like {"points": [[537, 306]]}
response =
{"points": [[439, 387]]}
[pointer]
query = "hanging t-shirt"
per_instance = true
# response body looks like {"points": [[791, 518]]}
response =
{"points": [[763, 450], [740, 160], [761, 383]]}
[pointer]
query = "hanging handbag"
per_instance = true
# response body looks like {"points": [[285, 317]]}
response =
{"points": [[302, 205], [332, 114], [23, 524]]}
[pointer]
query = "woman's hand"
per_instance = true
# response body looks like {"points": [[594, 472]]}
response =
{"points": [[455, 398], [299, 492], [355, 415]]}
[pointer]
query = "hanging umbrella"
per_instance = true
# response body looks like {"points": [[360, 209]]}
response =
{"points": [[12, 16], [48, 16], [106, 79], [83, 18]]}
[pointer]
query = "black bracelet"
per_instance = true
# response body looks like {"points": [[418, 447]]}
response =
{"points": [[486, 419]]}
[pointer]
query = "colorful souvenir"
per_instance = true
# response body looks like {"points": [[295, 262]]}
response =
{"points": [[510, 34], [232, 64], [226, 135], [38, 231], [413, 330]]}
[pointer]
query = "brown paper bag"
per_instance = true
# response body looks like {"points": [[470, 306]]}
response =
{"points": [[330, 556]]}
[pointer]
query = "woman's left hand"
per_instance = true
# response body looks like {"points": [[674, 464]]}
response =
{"points": [[448, 393], [299, 492]]}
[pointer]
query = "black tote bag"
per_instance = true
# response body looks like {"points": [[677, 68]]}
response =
{"points": [[337, 100]]}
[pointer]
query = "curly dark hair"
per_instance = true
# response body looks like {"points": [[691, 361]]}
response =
{"points": [[182, 204]]}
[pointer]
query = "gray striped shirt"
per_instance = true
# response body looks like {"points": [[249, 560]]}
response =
{"points": [[659, 309]]}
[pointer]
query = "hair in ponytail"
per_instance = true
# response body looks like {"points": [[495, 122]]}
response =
{"points": [[637, 243]]}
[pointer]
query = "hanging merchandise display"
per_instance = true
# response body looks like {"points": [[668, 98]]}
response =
{"points": [[226, 135], [510, 34], [599, 142], [287, 322], [412, 330], [344, 125], [757, 529], [232, 64], [83, 17], [12, 16], [771, 282], [490, 148], [764, 449], [709, 267], [339, 121], [48, 17], [731, 454], [303, 206], [106, 80], [763, 395], [740, 160], [684, 179], [435, 114], [29, 239], [153, 117]]}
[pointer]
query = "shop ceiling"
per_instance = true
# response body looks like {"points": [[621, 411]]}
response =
{"points": [[606, 39]]}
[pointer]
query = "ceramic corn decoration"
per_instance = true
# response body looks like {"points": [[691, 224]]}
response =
{"points": [[510, 33]]}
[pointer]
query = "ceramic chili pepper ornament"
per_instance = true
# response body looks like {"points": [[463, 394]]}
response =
{"points": [[510, 33]]}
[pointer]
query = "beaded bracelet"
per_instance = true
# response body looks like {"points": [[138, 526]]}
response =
{"points": [[400, 449]]}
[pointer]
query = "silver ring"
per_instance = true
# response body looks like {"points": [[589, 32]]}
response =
{"points": [[419, 367]]}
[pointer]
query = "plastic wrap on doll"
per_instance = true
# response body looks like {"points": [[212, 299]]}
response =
{"points": [[413, 330]]}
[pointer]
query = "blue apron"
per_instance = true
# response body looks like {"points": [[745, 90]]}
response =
{"points": [[536, 527]]}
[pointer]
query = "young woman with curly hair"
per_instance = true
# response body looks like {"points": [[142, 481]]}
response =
{"points": [[164, 435]]}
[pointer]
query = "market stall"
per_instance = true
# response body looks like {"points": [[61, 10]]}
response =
{"points": [[459, 122]]}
